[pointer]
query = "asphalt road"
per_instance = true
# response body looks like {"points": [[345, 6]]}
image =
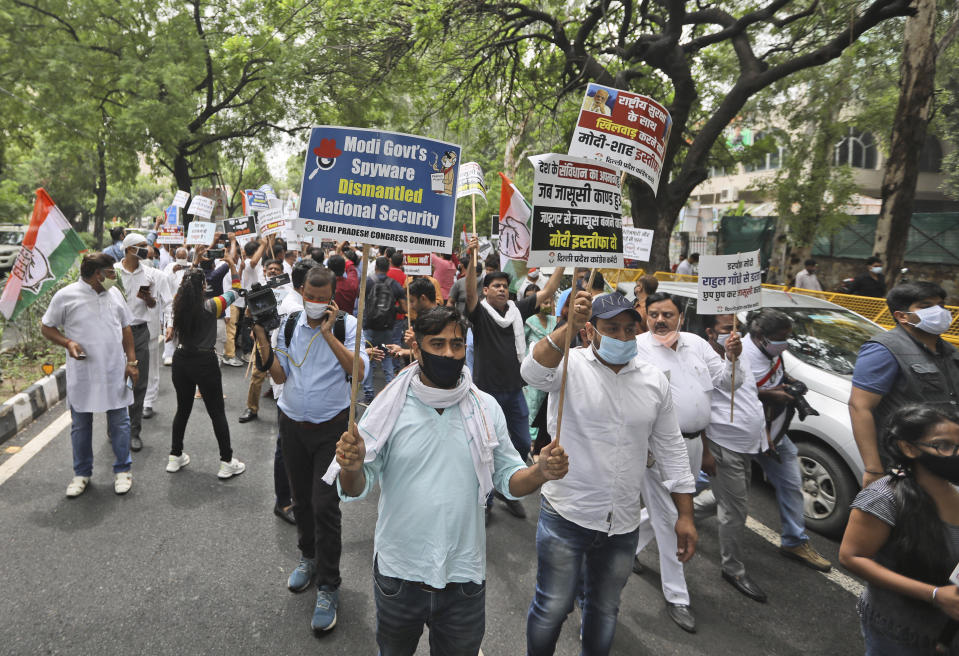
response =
{"points": [[188, 564]]}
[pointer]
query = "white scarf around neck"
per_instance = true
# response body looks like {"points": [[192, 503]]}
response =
{"points": [[380, 419], [514, 319]]}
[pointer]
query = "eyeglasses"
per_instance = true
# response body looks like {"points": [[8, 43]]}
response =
{"points": [[946, 449]]}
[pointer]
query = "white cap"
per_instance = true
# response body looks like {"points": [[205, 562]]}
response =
{"points": [[133, 239]]}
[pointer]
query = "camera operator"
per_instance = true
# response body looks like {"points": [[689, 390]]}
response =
{"points": [[769, 331], [313, 366]]}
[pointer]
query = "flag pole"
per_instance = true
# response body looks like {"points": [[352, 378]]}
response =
{"points": [[358, 342], [566, 341], [732, 389], [473, 199]]}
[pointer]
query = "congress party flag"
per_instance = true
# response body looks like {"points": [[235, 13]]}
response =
{"points": [[514, 213], [50, 247]]}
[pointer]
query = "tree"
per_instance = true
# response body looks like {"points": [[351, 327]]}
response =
{"points": [[705, 63]]}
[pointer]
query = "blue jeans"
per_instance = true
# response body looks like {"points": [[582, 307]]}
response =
{"points": [[378, 338], [456, 616], [81, 436], [787, 480], [517, 418], [560, 549], [879, 644]]}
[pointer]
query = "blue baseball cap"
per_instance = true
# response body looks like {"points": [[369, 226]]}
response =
{"points": [[608, 306]]}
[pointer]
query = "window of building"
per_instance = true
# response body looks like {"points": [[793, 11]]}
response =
{"points": [[857, 149], [930, 159]]}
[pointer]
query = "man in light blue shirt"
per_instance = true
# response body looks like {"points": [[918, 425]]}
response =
{"points": [[438, 445], [313, 413]]}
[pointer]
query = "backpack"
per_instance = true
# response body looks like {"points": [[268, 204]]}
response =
{"points": [[381, 307], [339, 329]]}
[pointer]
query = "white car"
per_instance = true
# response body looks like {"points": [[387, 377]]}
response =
{"points": [[822, 354], [11, 237]]}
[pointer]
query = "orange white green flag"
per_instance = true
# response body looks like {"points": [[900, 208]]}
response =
{"points": [[50, 247]]}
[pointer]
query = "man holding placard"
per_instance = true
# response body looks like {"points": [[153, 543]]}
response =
{"points": [[623, 413], [694, 370]]}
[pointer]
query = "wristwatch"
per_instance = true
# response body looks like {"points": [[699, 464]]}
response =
{"points": [[135, 363]]}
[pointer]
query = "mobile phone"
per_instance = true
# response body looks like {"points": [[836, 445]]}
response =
{"points": [[215, 253], [81, 356], [954, 577], [129, 383], [144, 289]]}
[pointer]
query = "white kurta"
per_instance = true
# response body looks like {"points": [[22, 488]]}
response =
{"points": [[95, 322], [159, 288]]}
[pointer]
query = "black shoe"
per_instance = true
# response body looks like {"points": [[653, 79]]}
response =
{"points": [[135, 444], [515, 508], [682, 616], [747, 586], [637, 566], [147, 412], [248, 415], [286, 514]]}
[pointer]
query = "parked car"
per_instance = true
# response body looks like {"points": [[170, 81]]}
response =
{"points": [[11, 237], [822, 353]]}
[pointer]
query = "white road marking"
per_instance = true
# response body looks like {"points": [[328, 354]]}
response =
{"points": [[847, 583], [32, 448]]}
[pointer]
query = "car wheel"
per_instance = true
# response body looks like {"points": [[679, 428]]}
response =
{"points": [[828, 488]]}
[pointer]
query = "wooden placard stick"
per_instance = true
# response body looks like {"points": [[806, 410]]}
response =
{"points": [[473, 199], [732, 389], [355, 382], [566, 341]]}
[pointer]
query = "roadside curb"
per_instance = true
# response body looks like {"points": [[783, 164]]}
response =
{"points": [[21, 409]]}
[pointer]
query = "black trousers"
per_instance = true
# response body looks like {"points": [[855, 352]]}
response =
{"points": [[141, 347], [308, 450], [199, 369]]}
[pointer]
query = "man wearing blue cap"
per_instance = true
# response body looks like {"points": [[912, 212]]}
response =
{"points": [[588, 522]]}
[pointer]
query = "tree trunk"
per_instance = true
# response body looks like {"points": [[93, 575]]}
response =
{"points": [[510, 160], [916, 85], [100, 211], [646, 212], [181, 173]]}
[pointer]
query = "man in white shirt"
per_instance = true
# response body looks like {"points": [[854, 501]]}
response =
{"points": [[96, 333], [142, 286], [618, 411], [533, 277], [689, 265], [694, 370], [734, 436], [806, 279], [174, 272]]}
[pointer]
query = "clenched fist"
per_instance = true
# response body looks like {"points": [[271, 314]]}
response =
{"points": [[553, 461], [350, 451]]}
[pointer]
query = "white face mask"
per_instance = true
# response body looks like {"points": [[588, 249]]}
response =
{"points": [[314, 310], [934, 320], [183, 262], [721, 339], [876, 269]]}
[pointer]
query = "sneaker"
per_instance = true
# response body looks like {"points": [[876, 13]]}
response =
{"points": [[301, 578], [233, 362], [807, 555], [176, 463], [77, 486], [231, 469], [148, 412], [122, 482], [167, 362], [324, 615]]}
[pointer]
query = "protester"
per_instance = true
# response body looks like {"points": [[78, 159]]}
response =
{"points": [[694, 370], [401, 323], [645, 286], [499, 339], [903, 537], [164, 296], [432, 429], [806, 278], [422, 299], [195, 366], [141, 285], [444, 271], [174, 272], [588, 522], [533, 277], [347, 282], [313, 365], [689, 265], [92, 322], [383, 295], [457, 295], [116, 249], [870, 282], [251, 274], [734, 437], [909, 364], [232, 316], [436, 297], [769, 330], [536, 328]]}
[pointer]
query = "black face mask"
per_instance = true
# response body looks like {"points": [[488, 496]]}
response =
{"points": [[946, 467], [142, 253], [442, 371]]}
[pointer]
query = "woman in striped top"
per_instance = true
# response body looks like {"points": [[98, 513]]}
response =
{"points": [[195, 365], [903, 537]]}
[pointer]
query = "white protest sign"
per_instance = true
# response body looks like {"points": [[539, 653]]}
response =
{"points": [[417, 264], [202, 206], [181, 198], [201, 232], [637, 243], [270, 222], [471, 181], [485, 248], [729, 283]]}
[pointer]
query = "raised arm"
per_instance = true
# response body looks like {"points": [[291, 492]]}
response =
{"points": [[472, 297], [549, 291]]}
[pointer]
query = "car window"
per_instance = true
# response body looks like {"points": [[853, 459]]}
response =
{"points": [[828, 339], [10, 238]]}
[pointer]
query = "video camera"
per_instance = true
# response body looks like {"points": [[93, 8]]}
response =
{"points": [[261, 301], [797, 389]]}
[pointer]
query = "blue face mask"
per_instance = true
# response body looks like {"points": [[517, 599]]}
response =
{"points": [[615, 351]]}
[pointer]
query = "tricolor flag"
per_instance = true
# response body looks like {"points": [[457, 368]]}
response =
{"points": [[514, 215], [49, 249]]}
